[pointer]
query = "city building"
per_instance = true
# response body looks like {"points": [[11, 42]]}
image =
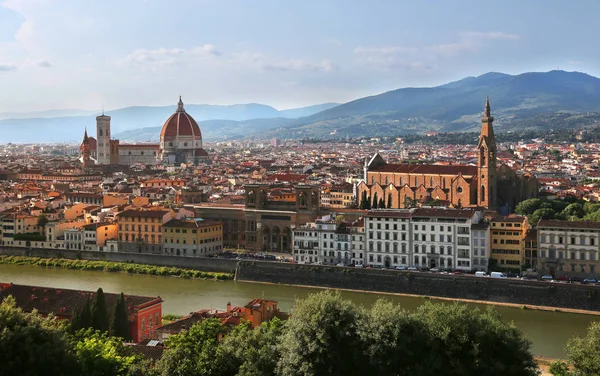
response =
{"points": [[144, 312], [508, 241], [325, 241], [140, 231], [568, 248], [338, 196], [480, 233], [95, 235], [484, 185], [531, 249], [192, 237], [422, 237]]}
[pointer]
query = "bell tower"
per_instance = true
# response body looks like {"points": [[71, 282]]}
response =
{"points": [[103, 139], [85, 150], [486, 162]]}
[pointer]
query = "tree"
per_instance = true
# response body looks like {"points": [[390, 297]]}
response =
{"points": [[320, 338], [381, 204], [99, 314], [82, 317], [464, 341], [375, 201], [119, 324], [33, 345], [394, 342], [99, 354], [192, 353], [582, 354], [545, 213], [250, 352], [389, 201], [42, 220], [573, 211], [527, 207], [363, 200]]}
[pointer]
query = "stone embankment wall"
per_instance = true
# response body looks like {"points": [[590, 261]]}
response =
{"points": [[560, 295], [207, 264]]}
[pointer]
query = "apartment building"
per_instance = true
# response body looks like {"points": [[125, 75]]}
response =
{"points": [[140, 231], [192, 237], [508, 235], [329, 242], [480, 233], [568, 248], [95, 235], [424, 238]]}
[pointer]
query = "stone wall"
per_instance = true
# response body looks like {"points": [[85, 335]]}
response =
{"points": [[205, 264], [537, 293]]}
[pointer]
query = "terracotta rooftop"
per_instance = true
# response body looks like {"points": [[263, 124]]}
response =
{"points": [[550, 223], [427, 169]]}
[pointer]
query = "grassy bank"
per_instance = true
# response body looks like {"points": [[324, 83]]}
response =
{"points": [[109, 266]]}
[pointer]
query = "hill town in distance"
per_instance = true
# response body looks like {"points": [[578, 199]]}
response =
{"points": [[442, 209]]}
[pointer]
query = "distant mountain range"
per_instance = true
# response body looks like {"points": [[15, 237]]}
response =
{"points": [[68, 125], [529, 100]]}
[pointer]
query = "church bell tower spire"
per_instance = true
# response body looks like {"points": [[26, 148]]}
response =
{"points": [[486, 162]]}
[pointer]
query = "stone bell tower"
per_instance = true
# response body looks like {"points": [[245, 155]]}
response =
{"points": [[486, 162]]}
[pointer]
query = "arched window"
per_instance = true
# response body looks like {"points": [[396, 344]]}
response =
{"points": [[431, 182]]}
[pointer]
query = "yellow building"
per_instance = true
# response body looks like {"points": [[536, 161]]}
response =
{"points": [[140, 231], [508, 241], [192, 237]]}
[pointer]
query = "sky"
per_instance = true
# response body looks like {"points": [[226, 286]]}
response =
{"points": [[89, 54]]}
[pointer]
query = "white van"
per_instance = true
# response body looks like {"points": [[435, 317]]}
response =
{"points": [[480, 274], [498, 275]]}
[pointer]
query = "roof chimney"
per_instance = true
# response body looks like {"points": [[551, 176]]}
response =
{"points": [[228, 306]]}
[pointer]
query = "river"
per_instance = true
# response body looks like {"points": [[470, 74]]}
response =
{"points": [[549, 331]]}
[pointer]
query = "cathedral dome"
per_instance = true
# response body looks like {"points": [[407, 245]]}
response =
{"points": [[180, 124]]}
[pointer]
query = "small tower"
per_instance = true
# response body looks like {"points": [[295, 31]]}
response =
{"points": [[486, 162], [84, 149], [103, 139]]}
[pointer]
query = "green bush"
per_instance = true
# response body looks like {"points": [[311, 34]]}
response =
{"points": [[109, 266]]}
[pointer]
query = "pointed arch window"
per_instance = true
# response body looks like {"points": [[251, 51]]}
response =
{"points": [[483, 193]]}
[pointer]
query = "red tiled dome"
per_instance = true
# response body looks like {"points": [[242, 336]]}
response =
{"points": [[180, 124]]}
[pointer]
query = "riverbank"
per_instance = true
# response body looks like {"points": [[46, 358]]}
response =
{"points": [[461, 300], [111, 266]]}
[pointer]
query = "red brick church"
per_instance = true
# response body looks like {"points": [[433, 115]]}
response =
{"points": [[485, 185]]}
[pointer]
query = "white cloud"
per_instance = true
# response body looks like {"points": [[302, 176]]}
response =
{"points": [[44, 64], [393, 57], [169, 56], [7, 67], [298, 65]]}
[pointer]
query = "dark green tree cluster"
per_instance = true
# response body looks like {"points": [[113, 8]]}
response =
{"points": [[568, 209], [94, 315], [34, 345], [328, 335]]}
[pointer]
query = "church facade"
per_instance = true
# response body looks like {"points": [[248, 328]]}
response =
{"points": [[485, 185]]}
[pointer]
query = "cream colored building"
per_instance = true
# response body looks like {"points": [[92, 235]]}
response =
{"points": [[568, 248]]}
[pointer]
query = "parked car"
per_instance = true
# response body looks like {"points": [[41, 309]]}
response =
{"points": [[574, 279], [498, 275], [401, 267], [434, 270], [563, 278], [588, 281], [547, 278], [340, 264], [359, 266], [480, 274], [413, 268]]}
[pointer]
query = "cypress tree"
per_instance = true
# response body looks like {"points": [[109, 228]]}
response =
{"points": [[99, 313], [84, 319], [368, 205], [381, 204], [363, 201], [375, 201], [119, 325], [389, 203]]}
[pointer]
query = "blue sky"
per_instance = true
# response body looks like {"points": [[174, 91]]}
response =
{"points": [[87, 54]]}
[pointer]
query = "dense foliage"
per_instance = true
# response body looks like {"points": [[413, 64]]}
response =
{"points": [[583, 355], [109, 266], [34, 345], [328, 335], [325, 335], [569, 209]]}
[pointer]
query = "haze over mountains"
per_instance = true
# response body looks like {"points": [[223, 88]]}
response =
{"points": [[530, 99]]}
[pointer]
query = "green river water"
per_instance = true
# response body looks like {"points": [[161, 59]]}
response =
{"points": [[549, 331]]}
